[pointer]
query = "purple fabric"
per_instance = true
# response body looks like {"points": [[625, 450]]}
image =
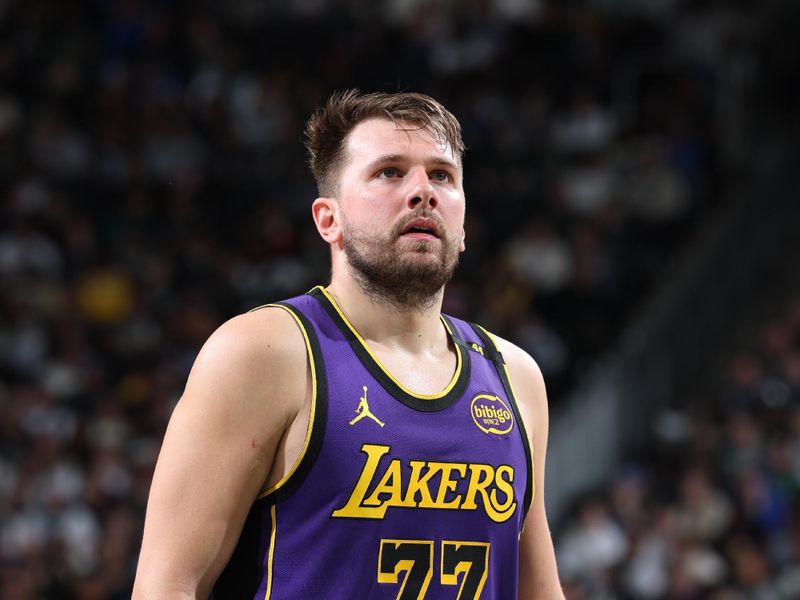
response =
{"points": [[319, 555]]}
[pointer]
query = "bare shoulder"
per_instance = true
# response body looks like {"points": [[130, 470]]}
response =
{"points": [[269, 332], [253, 362], [253, 341]]}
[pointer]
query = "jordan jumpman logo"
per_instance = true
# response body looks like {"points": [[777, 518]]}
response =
{"points": [[364, 411]]}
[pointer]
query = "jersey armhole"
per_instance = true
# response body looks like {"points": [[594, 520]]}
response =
{"points": [[317, 417], [502, 373]]}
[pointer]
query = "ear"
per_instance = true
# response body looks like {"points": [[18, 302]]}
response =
{"points": [[326, 217]]}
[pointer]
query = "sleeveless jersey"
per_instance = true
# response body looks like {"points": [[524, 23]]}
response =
{"points": [[395, 495]]}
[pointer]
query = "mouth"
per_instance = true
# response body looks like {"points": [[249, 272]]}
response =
{"points": [[421, 228]]}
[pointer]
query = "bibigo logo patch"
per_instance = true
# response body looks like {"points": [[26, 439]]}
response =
{"points": [[491, 414]]}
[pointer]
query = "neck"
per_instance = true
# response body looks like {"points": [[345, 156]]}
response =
{"points": [[380, 321]]}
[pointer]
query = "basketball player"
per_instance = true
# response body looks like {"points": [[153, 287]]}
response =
{"points": [[354, 443]]}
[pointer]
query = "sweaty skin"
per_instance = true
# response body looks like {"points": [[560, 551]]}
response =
{"points": [[240, 424]]}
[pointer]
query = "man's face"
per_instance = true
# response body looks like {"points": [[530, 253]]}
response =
{"points": [[402, 201]]}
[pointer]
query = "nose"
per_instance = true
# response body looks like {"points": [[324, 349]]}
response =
{"points": [[421, 190]]}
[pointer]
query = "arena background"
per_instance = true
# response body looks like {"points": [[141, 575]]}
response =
{"points": [[630, 182]]}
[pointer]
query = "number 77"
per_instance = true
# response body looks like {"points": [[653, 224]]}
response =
{"points": [[415, 558]]}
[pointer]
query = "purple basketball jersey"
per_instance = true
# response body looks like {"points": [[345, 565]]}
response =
{"points": [[396, 495]]}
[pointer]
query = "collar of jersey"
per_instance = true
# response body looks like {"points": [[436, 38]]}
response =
{"points": [[424, 402]]}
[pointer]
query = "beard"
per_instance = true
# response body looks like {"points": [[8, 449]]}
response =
{"points": [[407, 279]]}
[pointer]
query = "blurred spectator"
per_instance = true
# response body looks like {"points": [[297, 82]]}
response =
{"points": [[704, 513], [594, 544], [541, 258], [586, 127], [654, 191]]}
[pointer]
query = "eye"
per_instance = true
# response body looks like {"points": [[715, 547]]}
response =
{"points": [[389, 173], [441, 176]]}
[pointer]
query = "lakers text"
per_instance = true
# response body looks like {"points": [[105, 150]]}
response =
{"points": [[428, 485]]}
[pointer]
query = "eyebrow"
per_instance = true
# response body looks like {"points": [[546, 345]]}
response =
{"points": [[390, 158]]}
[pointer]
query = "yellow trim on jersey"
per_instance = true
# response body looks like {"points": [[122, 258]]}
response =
{"points": [[514, 400], [259, 307], [453, 381], [273, 513], [306, 442]]}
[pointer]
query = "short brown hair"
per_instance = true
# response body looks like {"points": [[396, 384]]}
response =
{"points": [[327, 129]]}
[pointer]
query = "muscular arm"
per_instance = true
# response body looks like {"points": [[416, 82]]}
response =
{"points": [[247, 385], [538, 576]]}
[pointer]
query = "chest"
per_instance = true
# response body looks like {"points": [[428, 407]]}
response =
{"points": [[426, 373], [458, 455]]}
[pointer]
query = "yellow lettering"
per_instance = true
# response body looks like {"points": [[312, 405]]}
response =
{"points": [[352, 507], [480, 477], [502, 512], [448, 485], [417, 484], [484, 480], [392, 484]]}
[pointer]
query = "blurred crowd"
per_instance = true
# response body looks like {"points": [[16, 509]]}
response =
{"points": [[714, 510], [153, 184]]}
